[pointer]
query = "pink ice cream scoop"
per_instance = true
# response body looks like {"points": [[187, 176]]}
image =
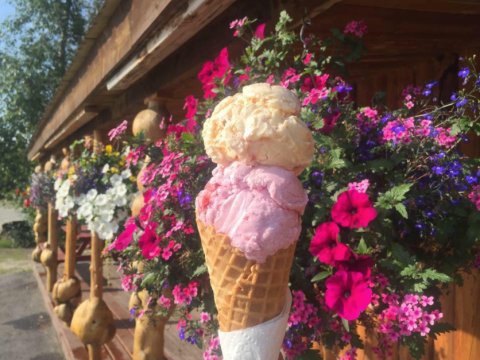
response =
{"points": [[258, 207]]}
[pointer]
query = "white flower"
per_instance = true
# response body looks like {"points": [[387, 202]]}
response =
{"points": [[102, 200], [116, 180], [86, 210], [106, 215], [69, 203], [57, 184], [92, 194], [126, 173], [64, 189], [63, 211], [81, 199], [106, 168], [120, 200], [121, 190]]}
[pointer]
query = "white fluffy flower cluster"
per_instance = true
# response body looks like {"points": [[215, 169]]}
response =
{"points": [[102, 213], [65, 203]]}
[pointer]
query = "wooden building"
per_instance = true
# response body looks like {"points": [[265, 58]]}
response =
{"points": [[139, 48]]}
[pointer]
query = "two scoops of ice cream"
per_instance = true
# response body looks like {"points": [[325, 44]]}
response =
{"points": [[249, 214]]}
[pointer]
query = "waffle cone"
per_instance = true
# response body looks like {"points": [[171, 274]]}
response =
{"points": [[246, 293]]}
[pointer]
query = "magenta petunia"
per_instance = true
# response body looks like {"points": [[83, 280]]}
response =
{"points": [[347, 294], [353, 210], [356, 263], [125, 238], [326, 246], [149, 241], [259, 31], [329, 122]]}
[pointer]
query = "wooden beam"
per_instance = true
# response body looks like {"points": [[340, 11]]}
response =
{"points": [[439, 6], [76, 122], [175, 33]]}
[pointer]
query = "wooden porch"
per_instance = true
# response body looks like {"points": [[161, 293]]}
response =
{"points": [[121, 347]]}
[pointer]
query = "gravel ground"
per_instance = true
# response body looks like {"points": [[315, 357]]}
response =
{"points": [[26, 331]]}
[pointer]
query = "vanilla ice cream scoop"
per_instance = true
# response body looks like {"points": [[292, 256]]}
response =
{"points": [[259, 127]]}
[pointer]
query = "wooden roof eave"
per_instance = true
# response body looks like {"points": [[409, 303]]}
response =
{"points": [[136, 24]]}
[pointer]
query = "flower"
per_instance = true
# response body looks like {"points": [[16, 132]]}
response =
{"points": [[357, 263], [347, 294], [115, 133], [326, 246], [149, 241], [125, 238], [307, 59], [361, 187], [464, 72], [329, 122], [191, 104], [204, 317], [259, 31], [410, 105], [356, 27], [353, 210], [108, 149]]}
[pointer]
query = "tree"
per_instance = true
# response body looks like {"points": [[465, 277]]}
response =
{"points": [[36, 45]]}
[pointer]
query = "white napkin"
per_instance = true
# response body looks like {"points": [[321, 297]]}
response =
{"points": [[261, 342]]}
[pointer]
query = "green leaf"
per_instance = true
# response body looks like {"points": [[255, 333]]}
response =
{"points": [[345, 324], [362, 248], [402, 210], [431, 274], [455, 130], [321, 276], [187, 137], [401, 254], [202, 269], [440, 328]]}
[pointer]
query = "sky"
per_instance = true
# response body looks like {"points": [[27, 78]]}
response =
{"points": [[5, 9]]}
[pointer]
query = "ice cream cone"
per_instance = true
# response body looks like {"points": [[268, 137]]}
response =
{"points": [[246, 293]]}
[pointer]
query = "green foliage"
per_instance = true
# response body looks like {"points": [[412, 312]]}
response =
{"points": [[20, 233], [36, 45]]}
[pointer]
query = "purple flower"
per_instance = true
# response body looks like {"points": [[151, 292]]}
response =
{"points": [[430, 85], [426, 92], [461, 102], [439, 170], [453, 97], [471, 179], [464, 72]]}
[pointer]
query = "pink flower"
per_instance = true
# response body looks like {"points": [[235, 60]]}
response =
{"points": [[314, 82], [118, 131], [353, 210], [329, 122], [409, 104], [356, 27], [191, 104], [357, 263], [127, 283], [361, 187], [135, 155], [204, 317], [214, 343], [347, 294], [245, 77], [149, 241], [259, 31], [307, 59], [206, 74], [164, 301], [125, 238], [233, 24], [326, 246], [314, 96]]}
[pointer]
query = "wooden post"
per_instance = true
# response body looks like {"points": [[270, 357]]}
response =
{"points": [[66, 292], [71, 248], [49, 255], [96, 268]]}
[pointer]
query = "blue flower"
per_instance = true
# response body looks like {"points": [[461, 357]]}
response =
{"points": [[477, 83], [426, 92], [430, 85], [429, 214], [317, 174], [453, 97], [181, 334], [461, 102], [439, 170], [464, 72], [419, 226], [471, 179]]}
